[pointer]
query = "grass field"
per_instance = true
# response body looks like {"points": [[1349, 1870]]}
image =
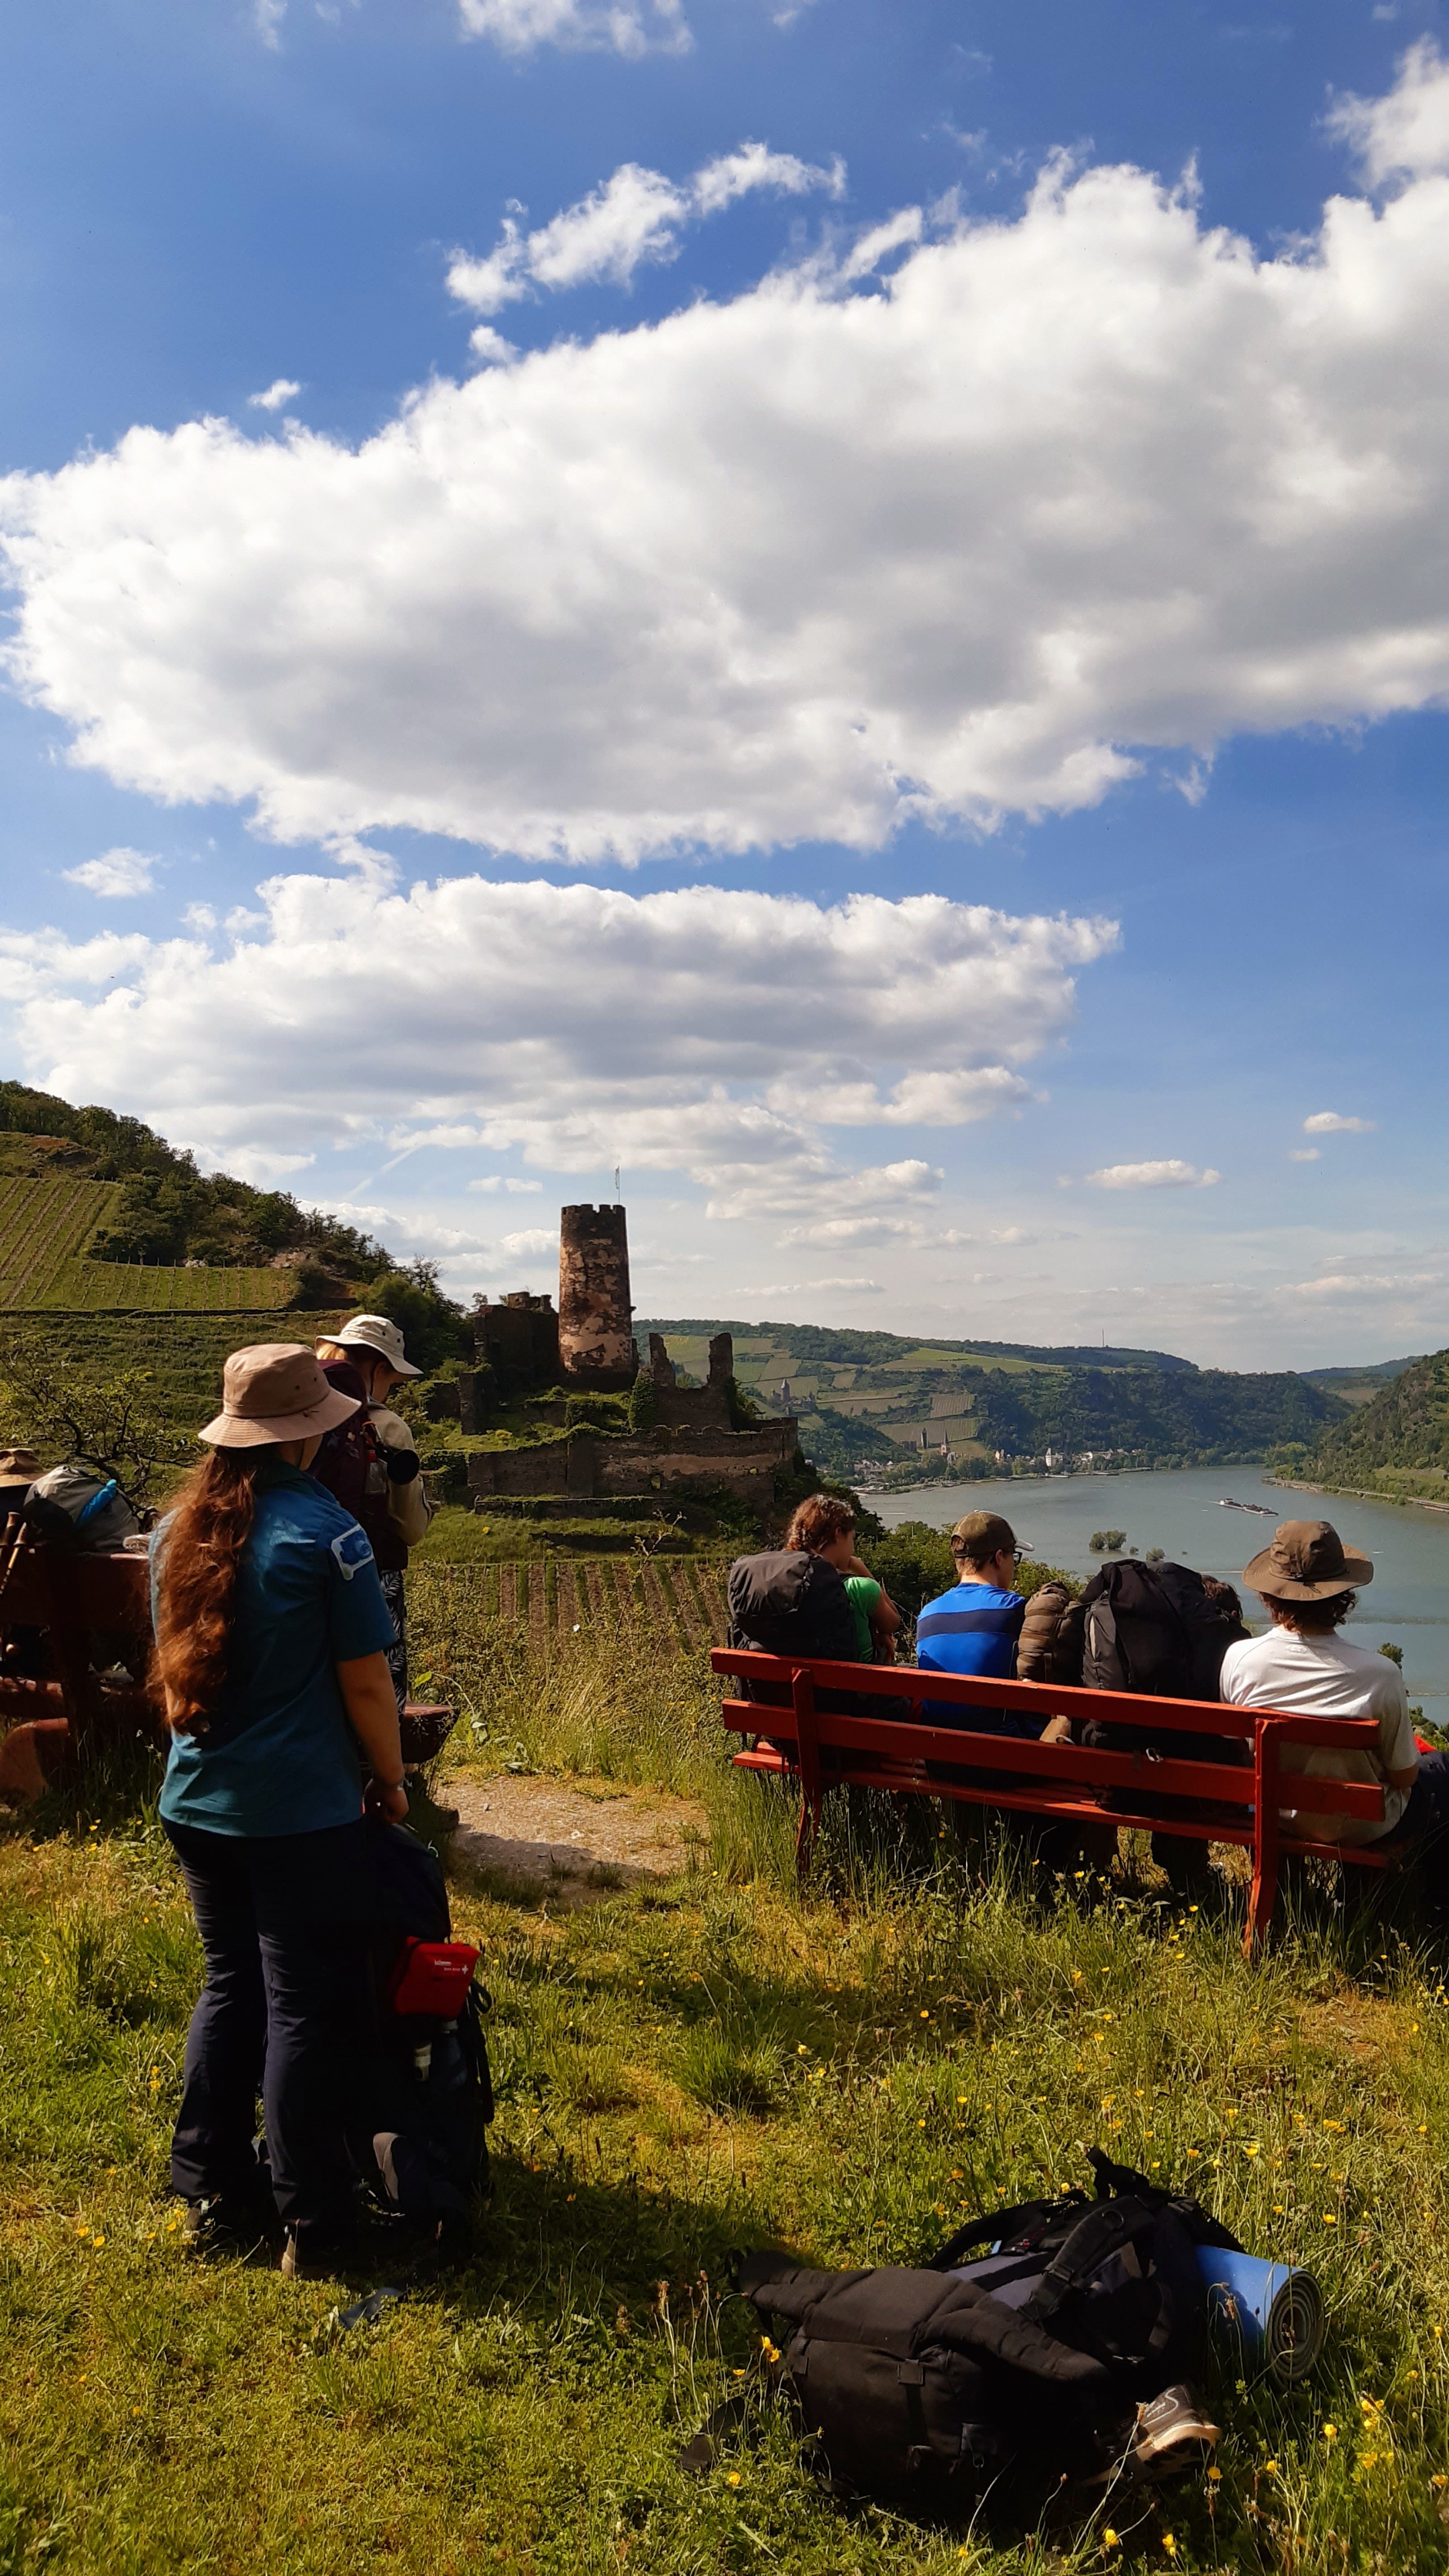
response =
{"points": [[45, 1227], [681, 2070]]}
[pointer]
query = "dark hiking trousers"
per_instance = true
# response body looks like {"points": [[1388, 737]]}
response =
{"points": [[284, 1922]]}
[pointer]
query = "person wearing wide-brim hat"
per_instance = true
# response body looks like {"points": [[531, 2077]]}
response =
{"points": [[1309, 1581], [368, 1357], [271, 1655]]}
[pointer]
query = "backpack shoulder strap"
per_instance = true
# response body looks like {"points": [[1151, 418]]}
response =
{"points": [[1015, 2228], [1103, 2232]]}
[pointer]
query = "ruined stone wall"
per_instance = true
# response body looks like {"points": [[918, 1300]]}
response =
{"points": [[595, 1311], [700, 1408], [743, 1462]]}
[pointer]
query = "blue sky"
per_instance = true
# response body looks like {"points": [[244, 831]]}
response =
{"points": [[891, 684]]}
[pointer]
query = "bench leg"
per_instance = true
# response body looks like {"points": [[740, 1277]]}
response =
{"points": [[807, 1747], [808, 1828], [1265, 1835]]}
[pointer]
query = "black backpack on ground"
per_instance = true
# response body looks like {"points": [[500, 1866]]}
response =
{"points": [[920, 2388], [788, 1602], [427, 2098]]}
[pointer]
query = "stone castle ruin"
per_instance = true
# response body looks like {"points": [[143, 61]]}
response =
{"points": [[595, 1315], [588, 1348]]}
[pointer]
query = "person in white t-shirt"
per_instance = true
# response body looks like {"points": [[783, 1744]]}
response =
{"points": [[1308, 1582]]}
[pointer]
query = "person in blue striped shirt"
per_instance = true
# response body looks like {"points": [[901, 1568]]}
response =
{"points": [[972, 1629]]}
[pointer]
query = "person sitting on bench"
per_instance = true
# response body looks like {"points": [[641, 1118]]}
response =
{"points": [[972, 1630], [1309, 1583], [825, 1527]]}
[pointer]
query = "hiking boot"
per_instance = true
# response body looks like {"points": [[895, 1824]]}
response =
{"points": [[309, 2257], [227, 2222], [1170, 2436]]}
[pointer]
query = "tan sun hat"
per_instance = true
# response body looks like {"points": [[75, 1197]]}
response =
{"points": [[275, 1391], [376, 1333], [1307, 1561]]}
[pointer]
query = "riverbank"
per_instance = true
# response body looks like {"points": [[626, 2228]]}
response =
{"points": [[1359, 1494]]}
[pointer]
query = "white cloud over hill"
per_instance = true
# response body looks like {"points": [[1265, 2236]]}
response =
{"points": [[705, 1031], [1059, 494]]}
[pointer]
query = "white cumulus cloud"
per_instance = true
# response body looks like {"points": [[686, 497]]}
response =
{"points": [[1059, 495], [283, 390], [635, 218], [578, 1025], [114, 874], [1169, 1174], [1406, 134], [629, 27], [1327, 1122]]}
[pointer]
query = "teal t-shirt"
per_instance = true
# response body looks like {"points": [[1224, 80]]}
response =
{"points": [[863, 1593], [279, 1756]]}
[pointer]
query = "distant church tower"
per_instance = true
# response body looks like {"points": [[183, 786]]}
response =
{"points": [[595, 1315]]}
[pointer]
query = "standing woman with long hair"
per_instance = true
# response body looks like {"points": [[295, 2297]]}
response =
{"points": [[271, 1652]]}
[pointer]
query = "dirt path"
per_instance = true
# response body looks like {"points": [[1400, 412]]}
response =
{"points": [[572, 1840]]}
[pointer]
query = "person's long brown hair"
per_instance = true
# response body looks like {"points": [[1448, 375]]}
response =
{"points": [[196, 1585]]}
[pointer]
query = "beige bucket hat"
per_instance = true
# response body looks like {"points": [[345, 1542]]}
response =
{"points": [[1307, 1561], [275, 1391], [377, 1333]]}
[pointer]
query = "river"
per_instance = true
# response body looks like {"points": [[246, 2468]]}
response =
{"points": [[1179, 1510]]}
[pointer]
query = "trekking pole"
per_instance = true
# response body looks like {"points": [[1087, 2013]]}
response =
{"points": [[11, 1540]]}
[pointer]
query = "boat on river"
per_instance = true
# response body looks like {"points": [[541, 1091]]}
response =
{"points": [[1227, 1504]]}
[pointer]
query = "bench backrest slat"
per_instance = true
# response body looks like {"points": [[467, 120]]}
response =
{"points": [[912, 1684]]}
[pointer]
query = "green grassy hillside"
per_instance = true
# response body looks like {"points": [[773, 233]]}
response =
{"points": [[1398, 1443], [117, 1191], [49, 1227]]}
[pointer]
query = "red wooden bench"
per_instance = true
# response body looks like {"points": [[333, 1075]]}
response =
{"points": [[77, 1603], [890, 1751], [82, 1607]]}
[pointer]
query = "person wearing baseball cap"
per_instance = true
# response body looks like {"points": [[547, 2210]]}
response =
{"points": [[383, 1488], [1309, 1582], [973, 1629], [272, 1637]]}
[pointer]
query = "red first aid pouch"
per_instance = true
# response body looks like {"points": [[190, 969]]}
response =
{"points": [[431, 1977]]}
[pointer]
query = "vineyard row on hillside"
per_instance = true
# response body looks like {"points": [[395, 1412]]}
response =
{"points": [[45, 1227], [558, 1595]]}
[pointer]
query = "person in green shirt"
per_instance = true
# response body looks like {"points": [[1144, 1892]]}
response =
{"points": [[825, 1526]]}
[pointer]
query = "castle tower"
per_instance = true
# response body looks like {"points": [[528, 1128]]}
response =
{"points": [[595, 1316]]}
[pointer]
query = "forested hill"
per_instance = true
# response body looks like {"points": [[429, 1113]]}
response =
{"points": [[1398, 1443], [1204, 1414], [877, 1399], [166, 1211], [830, 1346]]}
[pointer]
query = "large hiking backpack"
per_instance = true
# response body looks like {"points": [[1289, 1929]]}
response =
{"points": [[350, 1464], [1154, 1629], [421, 2146], [919, 2388], [788, 1602], [75, 1509]]}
